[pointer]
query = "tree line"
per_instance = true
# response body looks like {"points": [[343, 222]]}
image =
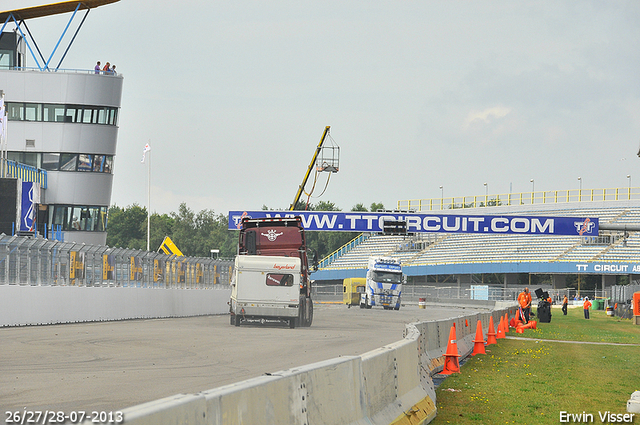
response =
{"points": [[196, 234]]}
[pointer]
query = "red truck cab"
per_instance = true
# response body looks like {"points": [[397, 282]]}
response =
{"points": [[280, 237]]}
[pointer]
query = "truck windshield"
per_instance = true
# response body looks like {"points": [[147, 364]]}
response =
{"points": [[387, 277]]}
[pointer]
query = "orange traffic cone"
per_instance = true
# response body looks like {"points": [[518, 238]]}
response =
{"points": [[531, 325], [478, 343], [466, 323], [500, 334], [506, 323], [518, 319], [491, 333], [451, 364], [512, 322]]}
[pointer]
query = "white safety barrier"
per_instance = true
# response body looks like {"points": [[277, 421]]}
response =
{"points": [[389, 385], [34, 305]]}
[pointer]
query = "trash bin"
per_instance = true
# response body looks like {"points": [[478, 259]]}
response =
{"points": [[544, 311], [422, 303], [596, 304]]}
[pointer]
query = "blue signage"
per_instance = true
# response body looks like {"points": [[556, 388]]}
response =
{"points": [[430, 223], [27, 208], [387, 266]]}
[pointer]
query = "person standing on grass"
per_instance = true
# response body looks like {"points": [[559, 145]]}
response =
{"points": [[586, 306], [565, 303], [524, 299]]}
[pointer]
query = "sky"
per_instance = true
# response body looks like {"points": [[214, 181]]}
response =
{"points": [[233, 97]]}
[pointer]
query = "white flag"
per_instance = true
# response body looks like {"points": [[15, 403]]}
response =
{"points": [[146, 149]]}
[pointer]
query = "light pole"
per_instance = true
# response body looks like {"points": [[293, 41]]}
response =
{"points": [[629, 178], [580, 191], [533, 190], [442, 191], [486, 194]]}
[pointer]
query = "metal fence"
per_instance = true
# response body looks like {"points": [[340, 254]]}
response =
{"points": [[521, 198], [413, 292], [38, 261], [624, 293]]}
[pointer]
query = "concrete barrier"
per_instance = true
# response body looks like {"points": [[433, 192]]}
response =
{"points": [[389, 385], [35, 305]]}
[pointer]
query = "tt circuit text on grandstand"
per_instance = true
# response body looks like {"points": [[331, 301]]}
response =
{"points": [[430, 223]]}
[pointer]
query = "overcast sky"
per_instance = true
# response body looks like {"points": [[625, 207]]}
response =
{"points": [[233, 97]]}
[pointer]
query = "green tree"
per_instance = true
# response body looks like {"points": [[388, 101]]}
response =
{"points": [[197, 234], [376, 206], [127, 227], [161, 226]]}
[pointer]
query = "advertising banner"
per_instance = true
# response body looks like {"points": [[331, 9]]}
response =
{"points": [[158, 270], [199, 274], [108, 266], [29, 198], [76, 267], [135, 270], [181, 270], [431, 223]]}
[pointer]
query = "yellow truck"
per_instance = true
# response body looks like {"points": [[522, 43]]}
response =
{"points": [[352, 287]]}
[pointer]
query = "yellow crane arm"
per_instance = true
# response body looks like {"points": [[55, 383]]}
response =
{"points": [[306, 176]]}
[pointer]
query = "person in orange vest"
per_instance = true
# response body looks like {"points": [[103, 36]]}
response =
{"points": [[565, 303], [586, 306], [524, 299]]}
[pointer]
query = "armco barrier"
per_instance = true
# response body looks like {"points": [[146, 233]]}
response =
{"points": [[389, 385]]}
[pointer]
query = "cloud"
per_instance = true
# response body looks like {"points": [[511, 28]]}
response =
{"points": [[487, 116]]}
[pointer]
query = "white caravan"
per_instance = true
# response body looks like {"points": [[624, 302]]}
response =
{"points": [[265, 289]]}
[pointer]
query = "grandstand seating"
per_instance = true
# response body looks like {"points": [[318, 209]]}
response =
{"points": [[462, 248]]}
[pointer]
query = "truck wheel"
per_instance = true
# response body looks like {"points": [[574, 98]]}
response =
{"points": [[237, 320], [309, 312], [301, 311], [292, 323], [397, 308], [232, 317]]}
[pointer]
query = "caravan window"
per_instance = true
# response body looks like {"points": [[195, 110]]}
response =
{"points": [[279, 279]]}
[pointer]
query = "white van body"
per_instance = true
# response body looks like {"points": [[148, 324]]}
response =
{"points": [[264, 289]]}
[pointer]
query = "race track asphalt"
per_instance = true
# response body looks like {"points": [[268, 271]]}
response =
{"points": [[107, 366]]}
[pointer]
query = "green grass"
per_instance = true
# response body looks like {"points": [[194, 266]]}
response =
{"points": [[532, 381]]}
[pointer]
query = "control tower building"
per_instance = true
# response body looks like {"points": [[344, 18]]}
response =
{"points": [[62, 125]]}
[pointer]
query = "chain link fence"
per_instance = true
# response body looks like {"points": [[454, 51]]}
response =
{"points": [[38, 261]]}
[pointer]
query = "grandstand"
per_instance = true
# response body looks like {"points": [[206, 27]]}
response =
{"points": [[610, 254]]}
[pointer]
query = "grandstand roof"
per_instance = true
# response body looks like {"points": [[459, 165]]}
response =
{"points": [[53, 9]]}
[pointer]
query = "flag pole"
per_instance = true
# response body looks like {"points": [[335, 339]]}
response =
{"points": [[149, 201]]}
